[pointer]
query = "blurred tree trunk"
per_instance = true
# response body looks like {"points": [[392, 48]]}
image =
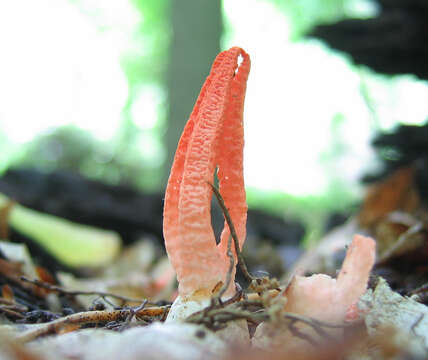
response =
{"points": [[196, 27]]}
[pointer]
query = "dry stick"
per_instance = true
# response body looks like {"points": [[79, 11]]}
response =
{"points": [[11, 311], [132, 314], [62, 291], [314, 322], [287, 284], [18, 307], [296, 332], [421, 289], [89, 317], [400, 241], [216, 299], [226, 214], [215, 316], [230, 270]]}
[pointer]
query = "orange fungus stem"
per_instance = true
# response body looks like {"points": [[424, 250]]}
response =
{"points": [[212, 138]]}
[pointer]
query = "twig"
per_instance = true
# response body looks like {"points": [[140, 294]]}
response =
{"points": [[18, 307], [314, 322], [273, 293], [62, 291], [229, 221], [296, 332], [421, 289], [386, 255], [235, 298], [287, 284], [216, 318], [230, 270], [132, 314], [11, 310], [89, 317]]}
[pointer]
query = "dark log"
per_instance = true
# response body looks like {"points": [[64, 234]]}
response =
{"points": [[394, 42]]}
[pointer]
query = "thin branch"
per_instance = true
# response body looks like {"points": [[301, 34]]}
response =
{"points": [[296, 332], [273, 293], [90, 317], [229, 221], [421, 289], [216, 318], [62, 291], [287, 284], [11, 311], [386, 255], [230, 270], [132, 313], [313, 322], [18, 307], [235, 298]]}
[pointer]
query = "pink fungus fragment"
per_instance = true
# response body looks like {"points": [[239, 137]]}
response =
{"points": [[324, 298]]}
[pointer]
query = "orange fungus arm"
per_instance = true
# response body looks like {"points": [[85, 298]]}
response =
{"points": [[214, 126]]}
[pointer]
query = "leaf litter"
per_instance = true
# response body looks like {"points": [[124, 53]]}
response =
{"points": [[53, 323]]}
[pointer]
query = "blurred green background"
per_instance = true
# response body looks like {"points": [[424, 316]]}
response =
{"points": [[104, 87]]}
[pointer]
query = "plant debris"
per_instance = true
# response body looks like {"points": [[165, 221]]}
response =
{"points": [[60, 314]]}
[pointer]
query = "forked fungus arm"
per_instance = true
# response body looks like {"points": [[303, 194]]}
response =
{"points": [[212, 137]]}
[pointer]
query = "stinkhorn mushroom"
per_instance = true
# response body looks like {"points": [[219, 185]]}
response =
{"points": [[213, 138]]}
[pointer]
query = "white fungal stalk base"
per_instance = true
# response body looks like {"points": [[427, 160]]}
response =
{"points": [[184, 307], [236, 332]]}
